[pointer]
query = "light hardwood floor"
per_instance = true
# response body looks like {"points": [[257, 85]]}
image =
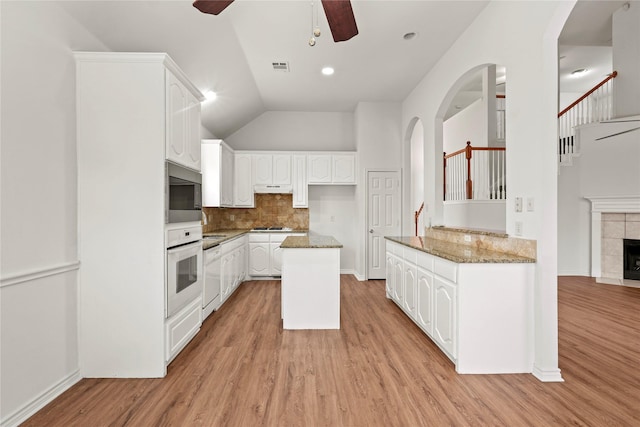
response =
{"points": [[378, 370]]}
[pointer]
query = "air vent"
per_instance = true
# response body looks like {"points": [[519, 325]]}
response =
{"points": [[280, 66]]}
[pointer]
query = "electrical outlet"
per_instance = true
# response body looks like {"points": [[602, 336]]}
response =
{"points": [[518, 230], [332, 219], [467, 238], [530, 204], [232, 217], [518, 204]]}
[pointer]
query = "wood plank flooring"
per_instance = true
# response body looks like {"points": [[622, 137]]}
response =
{"points": [[378, 370]]}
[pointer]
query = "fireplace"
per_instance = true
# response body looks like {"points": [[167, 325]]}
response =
{"points": [[632, 259]]}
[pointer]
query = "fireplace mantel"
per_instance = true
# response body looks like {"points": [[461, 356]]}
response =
{"points": [[606, 204]]}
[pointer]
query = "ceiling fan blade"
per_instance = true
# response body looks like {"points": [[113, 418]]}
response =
{"points": [[213, 7], [341, 20]]}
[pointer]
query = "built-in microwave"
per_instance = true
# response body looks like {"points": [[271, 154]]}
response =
{"points": [[183, 201]]}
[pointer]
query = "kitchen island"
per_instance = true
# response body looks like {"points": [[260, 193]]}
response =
{"points": [[310, 282]]}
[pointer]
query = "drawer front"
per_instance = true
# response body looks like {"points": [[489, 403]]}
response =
{"points": [[425, 261], [410, 255], [182, 327], [446, 269], [258, 237]]}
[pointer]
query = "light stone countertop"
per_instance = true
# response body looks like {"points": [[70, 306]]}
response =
{"points": [[310, 242], [215, 238], [461, 254]]}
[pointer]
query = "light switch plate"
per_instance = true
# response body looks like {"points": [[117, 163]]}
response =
{"points": [[518, 230], [518, 204], [530, 204]]}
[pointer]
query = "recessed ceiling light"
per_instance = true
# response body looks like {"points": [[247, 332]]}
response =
{"points": [[578, 72], [327, 71], [210, 95], [410, 35]]}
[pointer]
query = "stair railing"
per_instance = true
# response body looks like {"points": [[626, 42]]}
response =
{"points": [[479, 176], [594, 106]]}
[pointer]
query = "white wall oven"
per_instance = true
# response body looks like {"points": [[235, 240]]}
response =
{"points": [[184, 278], [184, 194]]}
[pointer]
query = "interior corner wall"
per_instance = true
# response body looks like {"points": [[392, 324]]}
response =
{"points": [[296, 131], [38, 287], [379, 146], [530, 54]]}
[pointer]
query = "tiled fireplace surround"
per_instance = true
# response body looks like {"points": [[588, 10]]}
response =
{"points": [[612, 220]]}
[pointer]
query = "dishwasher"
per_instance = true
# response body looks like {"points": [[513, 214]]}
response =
{"points": [[211, 293]]}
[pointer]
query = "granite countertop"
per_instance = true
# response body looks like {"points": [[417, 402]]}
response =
{"points": [[462, 254], [217, 237], [313, 241]]}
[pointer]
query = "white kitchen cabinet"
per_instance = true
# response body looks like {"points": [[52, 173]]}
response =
{"points": [[319, 168], [233, 266], [343, 168], [212, 279], [299, 181], [479, 314], [182, 123], [272, 169], [444, 316], [410, 282], [128, 123], [259, 259], [217, 173], [424, 300], [181, 328], [331, 168], [265, 254], [243, 183]]}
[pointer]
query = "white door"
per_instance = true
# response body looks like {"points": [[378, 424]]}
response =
{"points": [[383, 217]]}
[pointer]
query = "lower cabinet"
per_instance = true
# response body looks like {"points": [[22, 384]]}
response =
{"points": [[479, 315], [265, 255], [181, 327], [233, 266]]}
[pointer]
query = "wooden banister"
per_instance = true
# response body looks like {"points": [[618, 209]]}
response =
{"points": [[596, 87], [468, 155]]}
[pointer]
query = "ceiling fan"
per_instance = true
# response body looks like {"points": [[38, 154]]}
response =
{"points": [[339, 15]]}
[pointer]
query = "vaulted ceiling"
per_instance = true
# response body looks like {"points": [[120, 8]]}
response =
{"points": [[232, 53]]}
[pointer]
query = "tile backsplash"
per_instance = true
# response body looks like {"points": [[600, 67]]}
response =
{"points": [[271, 210]]}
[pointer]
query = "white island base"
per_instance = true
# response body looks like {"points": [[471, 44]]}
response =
{"points": [[310, 288]]}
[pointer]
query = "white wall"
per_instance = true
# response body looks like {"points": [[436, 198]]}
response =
{"points": [[417, 173], [378, 141], [331, 213], [530, 55], [468, 125], [296, 130], [39, 346], [484, 214], [626, 60]]}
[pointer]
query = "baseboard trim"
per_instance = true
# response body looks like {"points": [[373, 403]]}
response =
{"points": [[21, 415], [547, 375], [353, 273]]}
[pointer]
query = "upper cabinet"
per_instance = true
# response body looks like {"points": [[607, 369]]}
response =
{"points": [[299, 181], [272, 169], [183, 124], [331, 168], [217, 173], [242, 181]]}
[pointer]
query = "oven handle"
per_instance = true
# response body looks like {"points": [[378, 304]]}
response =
{"points": [[184, 246]]}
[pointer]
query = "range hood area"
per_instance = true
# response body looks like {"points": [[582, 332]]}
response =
{"points": [[272, 189]]}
